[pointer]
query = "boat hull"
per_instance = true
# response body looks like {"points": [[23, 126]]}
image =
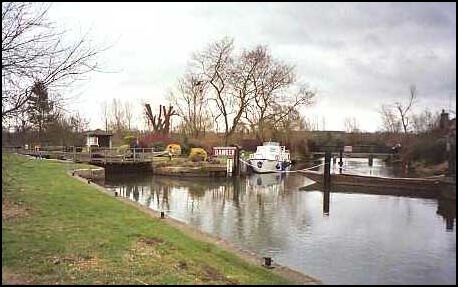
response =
{"points": [[268, 166]]}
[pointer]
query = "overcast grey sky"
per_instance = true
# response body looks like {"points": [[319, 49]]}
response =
{"points": [[357, 55]]}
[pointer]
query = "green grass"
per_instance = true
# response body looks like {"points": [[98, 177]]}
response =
{"points": [[68, 232]]}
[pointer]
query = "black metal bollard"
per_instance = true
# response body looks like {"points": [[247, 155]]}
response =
{"points": [[162, 214], [116, 193], [268, 262]]}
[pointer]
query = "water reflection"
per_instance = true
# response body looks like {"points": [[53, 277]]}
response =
{"points": [[364, 239], [447, 209], [326, 202]]}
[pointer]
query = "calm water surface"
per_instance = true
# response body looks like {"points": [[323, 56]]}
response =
{"points": [[363, 239]]}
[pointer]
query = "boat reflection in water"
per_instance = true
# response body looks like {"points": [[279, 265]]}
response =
{"points": [[273, 183]]}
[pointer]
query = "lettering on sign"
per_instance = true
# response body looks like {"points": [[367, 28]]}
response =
{"points": [[223, 151]]}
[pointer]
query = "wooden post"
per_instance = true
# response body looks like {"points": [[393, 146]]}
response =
{"points": [[326, 196], [340, 160], [371, 159], [327, 181], [327, 171], [237, 161]]}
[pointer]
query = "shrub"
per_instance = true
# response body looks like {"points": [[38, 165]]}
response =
{"points": [[428, 150], [186, 148], [198, 154], [156, 140], [123, 148], [128, 140], [158, 146], [175, 149]]}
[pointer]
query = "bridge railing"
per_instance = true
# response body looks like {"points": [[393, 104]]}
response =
{"points": [[117, 154], [100, 154], [355, 149]]}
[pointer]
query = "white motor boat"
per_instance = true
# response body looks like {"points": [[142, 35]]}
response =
{"points": [[270, 157]]}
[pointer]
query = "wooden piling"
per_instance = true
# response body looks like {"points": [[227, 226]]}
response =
{"points": [[237, 161], [327, 171], [340, 160], [326, 198]]}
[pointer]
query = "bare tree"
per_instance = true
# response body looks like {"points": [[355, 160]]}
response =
{"points": [[396, 117], [33, 51], [248, 86], [215, 65], [248, 89], [425, 121], [271, 88], [104, 114], [285, 109], [161, 122], [404, 110], [78, 123], [285, 125], [351, 125], [192, 106], [390, 121], [128, 114], [306, 124], [117, 119]]}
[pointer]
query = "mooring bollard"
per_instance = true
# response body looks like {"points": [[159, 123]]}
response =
{"points": [[268, 262]]}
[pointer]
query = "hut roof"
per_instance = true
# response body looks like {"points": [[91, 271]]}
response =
{"points": [[98, 132]]}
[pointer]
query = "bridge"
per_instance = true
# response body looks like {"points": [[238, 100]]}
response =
{"points": [[109, 158], [357, 151], [354, 154]]}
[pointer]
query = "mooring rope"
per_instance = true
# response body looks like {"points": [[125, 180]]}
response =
{"points": [[282, 171]]}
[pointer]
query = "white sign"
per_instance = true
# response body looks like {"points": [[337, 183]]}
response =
{"points": [[348, 149], [224, 151], [229, 165]]}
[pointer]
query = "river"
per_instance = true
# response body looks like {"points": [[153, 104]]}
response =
{"points": [[357, 239]]}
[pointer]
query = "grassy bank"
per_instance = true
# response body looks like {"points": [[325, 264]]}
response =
{"points": [[58, 230]]}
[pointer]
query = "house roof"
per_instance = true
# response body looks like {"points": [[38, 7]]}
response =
{"points": [[98, 132]]}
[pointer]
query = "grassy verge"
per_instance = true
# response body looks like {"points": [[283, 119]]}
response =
{"points": [[57, 230]]}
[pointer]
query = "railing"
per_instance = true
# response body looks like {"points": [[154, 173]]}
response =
{"points": [[355, 149], [92, 154]]}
